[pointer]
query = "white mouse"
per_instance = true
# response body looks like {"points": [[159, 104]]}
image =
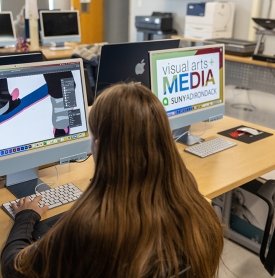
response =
{"points": [[249, 130]]}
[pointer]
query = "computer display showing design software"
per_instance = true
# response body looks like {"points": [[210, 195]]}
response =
{"points": [[58, 27], [7, 32], [42, 115], [190, 83]]}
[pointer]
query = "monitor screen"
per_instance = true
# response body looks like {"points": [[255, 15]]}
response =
{"points": [[7, 32], [190, 83], [58, 27], [43, 116], [125, 62]]}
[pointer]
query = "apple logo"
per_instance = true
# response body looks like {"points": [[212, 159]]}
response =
{"points": [[139, 69]]}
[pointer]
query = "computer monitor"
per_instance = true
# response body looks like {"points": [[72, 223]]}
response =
{"points": [[7, 32], [21, 57], [58, 27], [43, 119], [27, 24], [190, 84], [125, 62]]}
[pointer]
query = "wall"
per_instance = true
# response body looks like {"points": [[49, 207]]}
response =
{"points": [[59, 4], [145, 7], [243, 27], [16, 5], [91, 21], [269, 40], [116, 18]]}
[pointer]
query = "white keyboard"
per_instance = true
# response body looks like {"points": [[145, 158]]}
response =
{"points": [[53, 197], [209, 147]]}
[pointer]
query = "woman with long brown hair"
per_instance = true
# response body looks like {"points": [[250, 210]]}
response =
{"points": [[142, 214]]}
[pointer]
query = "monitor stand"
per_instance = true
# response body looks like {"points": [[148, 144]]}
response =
{"points": [[25, 183], [59, 46], [182, 135]]}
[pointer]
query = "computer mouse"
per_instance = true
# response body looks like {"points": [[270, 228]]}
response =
{"points": [[249, 130]]}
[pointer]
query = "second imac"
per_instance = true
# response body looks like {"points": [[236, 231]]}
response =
{"points": [[58, 27], [7, 32], [190, 84], [10, 58]]}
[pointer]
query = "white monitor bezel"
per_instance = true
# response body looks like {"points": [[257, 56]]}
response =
{"points": [[48, 40], [51, 154], [12, 41]]}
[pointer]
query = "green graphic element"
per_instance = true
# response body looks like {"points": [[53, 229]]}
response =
{"points": [[165, 101]]}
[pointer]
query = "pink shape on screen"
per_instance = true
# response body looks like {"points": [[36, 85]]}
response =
{"points": [[15, 94]]}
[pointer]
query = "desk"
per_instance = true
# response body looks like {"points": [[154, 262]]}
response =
{"points": [[78, 173], [231, 168], [49, 54], [244, 72], [215, 174], [57, 54]]}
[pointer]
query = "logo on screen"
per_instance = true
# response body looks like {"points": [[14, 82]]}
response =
{"points": [[139, 69]]}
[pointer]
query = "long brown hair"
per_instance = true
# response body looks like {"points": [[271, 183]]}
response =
{"points": [[142, 215]]}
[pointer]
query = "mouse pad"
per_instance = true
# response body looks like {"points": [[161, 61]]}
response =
{"points": [[242, 136]]}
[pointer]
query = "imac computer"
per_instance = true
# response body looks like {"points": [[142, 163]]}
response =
{"points": [[58, 27], [21, 57], [125, 62], [43, 120], [7, 32], [190, 84]]}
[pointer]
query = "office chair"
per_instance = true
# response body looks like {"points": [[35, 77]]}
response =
{"points": [[90, 90], [266, 192]]}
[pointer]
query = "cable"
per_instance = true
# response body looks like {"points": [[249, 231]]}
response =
{"points": [[230, 14], [39, 188], [243, 106], [226, 267], [181, 135], [80, 161], [57, 175], [269, 9], [48, 185]]}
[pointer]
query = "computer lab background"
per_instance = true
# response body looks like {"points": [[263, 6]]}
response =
{"points": [[114, 21]]}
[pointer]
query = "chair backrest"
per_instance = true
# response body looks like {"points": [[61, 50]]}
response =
{"points": [[90, 71], [269, 262], [266, 192], [90, 90]]}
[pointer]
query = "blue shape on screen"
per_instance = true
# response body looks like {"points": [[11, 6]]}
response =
{"points": [[27, 101]]}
